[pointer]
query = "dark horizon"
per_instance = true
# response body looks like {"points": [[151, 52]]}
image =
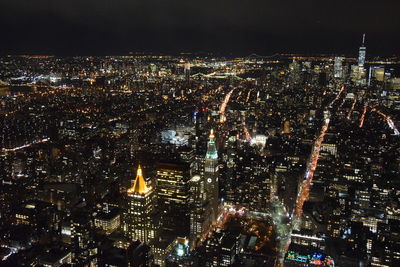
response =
{"points": [[375, 48], [226, 27]]}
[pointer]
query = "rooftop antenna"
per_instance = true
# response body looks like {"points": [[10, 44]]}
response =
{"points": [[363, 39]]}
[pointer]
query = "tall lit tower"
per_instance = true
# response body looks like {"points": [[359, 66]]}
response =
{"points": [[138, 221], [211, 177], [338, 67], [361, 54], [187, 71], [199, 219], [173, 195]]}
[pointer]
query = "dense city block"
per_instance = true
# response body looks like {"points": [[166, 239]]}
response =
{"points": [[200, 160]]}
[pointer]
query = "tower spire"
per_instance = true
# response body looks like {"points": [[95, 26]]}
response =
{"points": [[212, 136], [363, 41], [211, 148], [139, 186], [211, 178]]}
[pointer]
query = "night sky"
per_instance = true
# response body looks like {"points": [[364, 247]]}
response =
{"points": [[238, 27]]}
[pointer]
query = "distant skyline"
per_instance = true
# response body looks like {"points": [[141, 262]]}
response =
{"points": [[106, 27]]}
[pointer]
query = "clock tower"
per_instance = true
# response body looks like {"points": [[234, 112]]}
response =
{"points": [[211, 177]]}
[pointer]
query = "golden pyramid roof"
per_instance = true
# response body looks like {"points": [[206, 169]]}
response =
{"points": [[139, 186]]}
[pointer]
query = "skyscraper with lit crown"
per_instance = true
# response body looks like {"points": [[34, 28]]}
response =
{"points": [[362, 53], [361, 61], [211, 177], [138, 219]]}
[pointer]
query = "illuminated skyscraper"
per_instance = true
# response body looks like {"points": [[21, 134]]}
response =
{"points": [[173, 195], [211, 177], [187, 71], [338, 67], [138, 221], [361, 61], [362, 53], [198, 219]]}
